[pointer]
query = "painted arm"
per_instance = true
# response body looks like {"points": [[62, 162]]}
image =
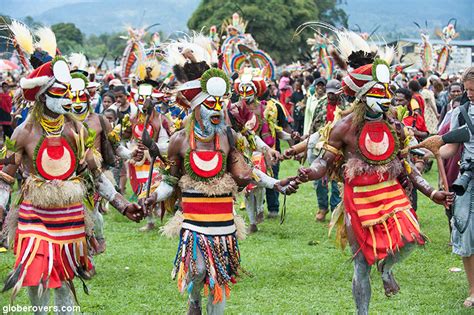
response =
{"points": [[283, 135], [273, 155], [123, 152], [332, 149], [105, 188], [167, 186]]}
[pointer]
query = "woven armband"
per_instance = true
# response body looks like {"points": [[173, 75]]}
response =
{"points": [[330, 148]]}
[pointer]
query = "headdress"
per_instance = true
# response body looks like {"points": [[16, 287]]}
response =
{"points": [[43, 77], [250, 82]]}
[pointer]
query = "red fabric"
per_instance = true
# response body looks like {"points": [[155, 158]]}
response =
{"points": [[6, 102], [416, 121], [420, 101], [284, 95], [385, 243], [365, 70], [331, 108], [38, 226], [139, 176], [43, 70], [200, 207]]}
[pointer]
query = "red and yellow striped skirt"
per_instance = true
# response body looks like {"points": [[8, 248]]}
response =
{"points": [[50, 245], [381, 216]]}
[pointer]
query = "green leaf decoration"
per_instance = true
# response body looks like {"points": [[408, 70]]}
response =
{"points": [[214, 72]]}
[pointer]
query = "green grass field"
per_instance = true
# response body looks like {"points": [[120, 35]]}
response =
{"points": [[289, 275]]}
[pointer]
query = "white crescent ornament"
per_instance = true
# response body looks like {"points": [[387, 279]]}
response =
{"points": [[377, 148]]}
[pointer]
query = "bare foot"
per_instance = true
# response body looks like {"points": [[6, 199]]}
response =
{"points": [[469, 302], [389, 284]]}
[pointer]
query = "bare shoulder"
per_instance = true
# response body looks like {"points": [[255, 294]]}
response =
{"points": [[178, 136], [22, 133], [343, 125]]}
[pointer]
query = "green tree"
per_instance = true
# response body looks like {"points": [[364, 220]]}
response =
{"points": [[69, 38], [271, 22]]}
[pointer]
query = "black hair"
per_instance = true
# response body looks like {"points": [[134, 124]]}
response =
{"points": [[423, 82], [109, 94], [310, 79], [119, 88], [454, 84], [414, 86], [406, 93]]}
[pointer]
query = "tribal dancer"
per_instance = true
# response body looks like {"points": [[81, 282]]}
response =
{"points": [[158, 127], [207, 169], [256, 121], [380, 223], [50, 236]]}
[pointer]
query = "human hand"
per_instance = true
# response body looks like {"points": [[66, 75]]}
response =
{"points": [[287, 185], [443, 198], [134, 212], [273, 156]]}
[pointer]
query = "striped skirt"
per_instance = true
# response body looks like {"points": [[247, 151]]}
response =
{"points": [[50, 246], [208, 230], [381, 216]]}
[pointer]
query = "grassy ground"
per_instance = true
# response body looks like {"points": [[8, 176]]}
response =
{"points": [[289, 275]]}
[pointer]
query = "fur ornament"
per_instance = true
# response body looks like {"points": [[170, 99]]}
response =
{"points": [[53, 193], [355, 167], [214, 187]]}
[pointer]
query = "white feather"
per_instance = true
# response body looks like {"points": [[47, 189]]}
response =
{"points": [[47, 40], [78, 61], [22, 36], [387, 54], [197, 43]]}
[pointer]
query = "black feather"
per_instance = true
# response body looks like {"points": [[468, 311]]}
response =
{"points": [[70, 285], [360, 58], [179, 73], [194, 70], [12, 278]]}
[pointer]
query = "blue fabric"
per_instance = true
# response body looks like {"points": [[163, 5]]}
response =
{"points": [[322, 192], [273, 202]]}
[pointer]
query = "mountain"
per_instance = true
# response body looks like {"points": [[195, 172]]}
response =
{"points": [[398, 16], [100, 16], [106, 16]]}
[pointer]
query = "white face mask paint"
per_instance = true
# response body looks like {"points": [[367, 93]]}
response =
{"points": [[79, 108], [59, 106], [378, 105]]}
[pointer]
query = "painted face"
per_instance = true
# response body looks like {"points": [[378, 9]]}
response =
{"points": [[80, 102], [59, 98], [378, 98], [400, 100], [213, 103], [247, 92], [212, 120], [140, 101]]}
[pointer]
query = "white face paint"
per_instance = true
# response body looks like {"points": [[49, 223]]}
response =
{"points": [[59, 106], [79, 108], [58, 98], [378, 105]]}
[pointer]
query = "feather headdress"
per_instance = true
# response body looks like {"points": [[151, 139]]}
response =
{"points": [[197, 48], [78, 62], [349, 47], [46, 40]]}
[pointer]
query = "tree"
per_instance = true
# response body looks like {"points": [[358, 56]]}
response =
{"points": [[69, 38], [271, 22]]}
